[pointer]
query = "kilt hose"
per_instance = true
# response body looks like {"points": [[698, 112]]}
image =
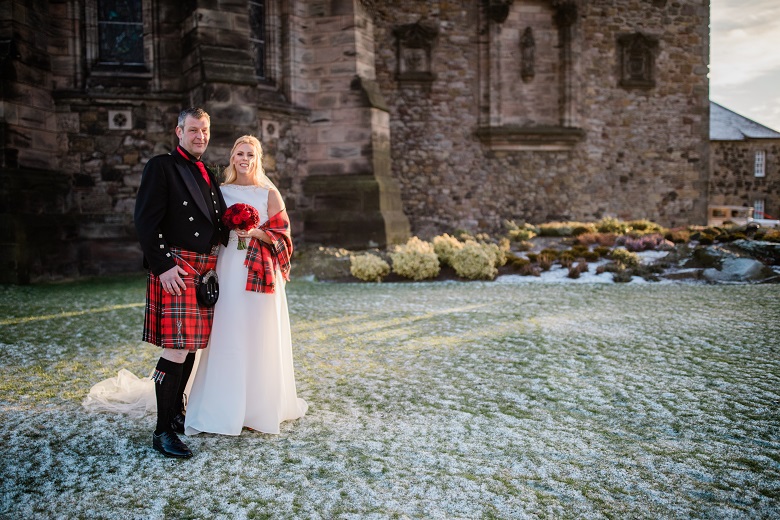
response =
{"points": [[172, 321]]}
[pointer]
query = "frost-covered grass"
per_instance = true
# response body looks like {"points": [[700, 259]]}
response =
{"points": [[433, 400]]}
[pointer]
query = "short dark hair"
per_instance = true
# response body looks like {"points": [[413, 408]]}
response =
{"points": [[197, 113]]}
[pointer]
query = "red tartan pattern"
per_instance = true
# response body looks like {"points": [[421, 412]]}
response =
{"points": [[172, 321], [263, 259]]}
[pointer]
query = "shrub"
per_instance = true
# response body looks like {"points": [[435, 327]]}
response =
{"points": [[558, 229], [462, 235], [497, 254], [368, 267], [475, 261], [602, 239], [416, 260], [445, 247], [517, 262], [545, 261], [590, 256], [678, 235], [612, 225], [521, 232], [644, 226], [642, 243], [566, 259], [622, 276], [624, 258], [583, 229], [602, 251], [576, 270], [772, 235], [530, 270]]}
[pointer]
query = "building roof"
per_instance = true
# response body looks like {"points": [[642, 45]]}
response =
{"points": [[726, 125]]}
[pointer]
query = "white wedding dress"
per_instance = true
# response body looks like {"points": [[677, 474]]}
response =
{"points": [[245, 377]]}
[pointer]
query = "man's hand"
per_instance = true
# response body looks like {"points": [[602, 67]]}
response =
{"points": [[172, 282]]}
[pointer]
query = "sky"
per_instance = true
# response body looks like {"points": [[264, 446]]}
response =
{"points": [[745, 58]]}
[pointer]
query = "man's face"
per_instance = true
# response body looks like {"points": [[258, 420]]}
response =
{"points": [[194, 137]]}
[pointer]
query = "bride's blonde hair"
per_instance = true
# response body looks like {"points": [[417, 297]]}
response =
{"points": [[258, 173]]}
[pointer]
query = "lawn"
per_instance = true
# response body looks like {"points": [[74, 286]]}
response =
{"points": [[427, 400]]}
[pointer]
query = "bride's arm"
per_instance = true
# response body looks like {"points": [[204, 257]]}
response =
{"points": [[275, 205]]}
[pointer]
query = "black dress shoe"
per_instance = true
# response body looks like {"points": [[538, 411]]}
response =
{"points": [[177, 423], [169, 444]]}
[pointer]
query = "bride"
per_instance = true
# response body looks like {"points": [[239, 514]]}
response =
{"points": [[245, 377]]}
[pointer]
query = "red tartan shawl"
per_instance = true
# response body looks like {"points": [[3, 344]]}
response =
{"points": [[262, 258]]}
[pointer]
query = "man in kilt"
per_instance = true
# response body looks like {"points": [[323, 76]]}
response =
{"points": [[178, 220]]}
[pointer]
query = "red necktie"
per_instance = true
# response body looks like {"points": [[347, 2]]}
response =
{"points": [[203, 172], [200, 166]]}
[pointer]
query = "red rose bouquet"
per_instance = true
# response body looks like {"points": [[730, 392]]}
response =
{"points": [[241, 216]]}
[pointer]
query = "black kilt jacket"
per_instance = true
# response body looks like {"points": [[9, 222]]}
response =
{"points": [[170, 210]]}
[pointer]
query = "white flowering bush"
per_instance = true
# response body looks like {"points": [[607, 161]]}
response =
{"points": [[445, 246], [416, 260], [368, 267], [498, 252], [476, 261]]}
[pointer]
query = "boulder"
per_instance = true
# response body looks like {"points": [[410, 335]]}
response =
{"points": [[736, 269], [768, 251], [683, 274]]}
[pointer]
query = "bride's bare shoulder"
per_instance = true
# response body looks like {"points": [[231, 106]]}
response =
{"points": [[275, 202]]}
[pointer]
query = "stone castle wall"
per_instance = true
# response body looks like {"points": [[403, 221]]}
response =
{"points": [[375, 116], [644, 153]]}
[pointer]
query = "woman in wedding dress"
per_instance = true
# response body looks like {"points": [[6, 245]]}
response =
{"points": [[245, 377]]}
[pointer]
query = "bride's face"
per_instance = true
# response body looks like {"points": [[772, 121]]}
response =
{"points": [[244, 159]]}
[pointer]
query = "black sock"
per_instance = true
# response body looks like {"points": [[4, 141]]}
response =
{"points": [[178, 405], [166, 378]]}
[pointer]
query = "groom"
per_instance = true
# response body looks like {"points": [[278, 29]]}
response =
{"points": [[178, 214]]}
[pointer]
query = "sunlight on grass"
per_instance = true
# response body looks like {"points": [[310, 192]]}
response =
{"points": [[28, 319]]}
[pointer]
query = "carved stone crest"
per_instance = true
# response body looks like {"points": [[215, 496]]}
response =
{"points": [[414, 48]]}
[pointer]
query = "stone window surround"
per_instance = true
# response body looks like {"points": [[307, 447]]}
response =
{"points": [[273, 52], [759, 169], [96, 70], [98, 74], [415, 40], [537, 138], [637, 51]]}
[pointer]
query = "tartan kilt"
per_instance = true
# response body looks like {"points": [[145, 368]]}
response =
{"points": [[172, 321]]}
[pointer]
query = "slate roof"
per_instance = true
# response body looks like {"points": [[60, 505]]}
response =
{"points": [[726, 125]]}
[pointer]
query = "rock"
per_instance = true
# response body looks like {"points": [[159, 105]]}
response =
{"points": [[735, 269], [683, 274], [769, 251], [707, 257], [322, 263]]}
